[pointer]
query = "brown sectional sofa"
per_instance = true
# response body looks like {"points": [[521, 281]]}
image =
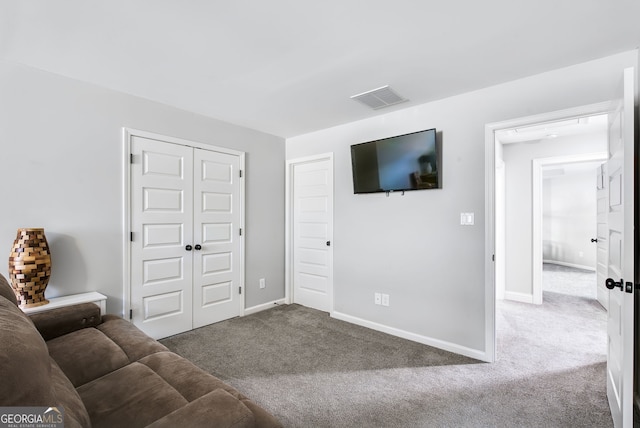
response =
{"points": [[105, 372]]}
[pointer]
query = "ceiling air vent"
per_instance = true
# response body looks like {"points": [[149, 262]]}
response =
{"points": [[379, 98]]}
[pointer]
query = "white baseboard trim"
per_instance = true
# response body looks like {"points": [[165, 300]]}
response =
{"points": [[518, 297], [436, 343], [573, 265], [263, 307]]}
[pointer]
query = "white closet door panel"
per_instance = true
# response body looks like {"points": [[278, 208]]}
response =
{"points": [[162, 224], [217, 220]]}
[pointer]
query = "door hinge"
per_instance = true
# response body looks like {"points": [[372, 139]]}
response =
{"points": [[240, 290], [493, 257], [240, 231], [131, 236], [240, 173], [131, 158], [130, 314]]}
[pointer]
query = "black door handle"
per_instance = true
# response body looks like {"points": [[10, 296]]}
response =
{"points": [[611, 284], [198, 247], [328, 243], [594, 239], [188, 248]]}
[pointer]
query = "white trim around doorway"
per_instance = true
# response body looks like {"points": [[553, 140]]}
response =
{"points": [[490, 198]]}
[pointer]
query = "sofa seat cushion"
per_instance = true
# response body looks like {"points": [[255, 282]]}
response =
{"points": [[86, 354], [133, 341], [180, 374], [216, 409], [192, 382], [134, 393]]}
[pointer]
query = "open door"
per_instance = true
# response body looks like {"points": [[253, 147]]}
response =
{"points": [[620, 174], [311, 181], [602, 236]]}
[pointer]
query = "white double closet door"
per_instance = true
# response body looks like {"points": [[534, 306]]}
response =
{"points": [[185, 250]]}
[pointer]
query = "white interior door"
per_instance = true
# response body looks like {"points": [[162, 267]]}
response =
{"points": [[217, 239], [162, 222], [602, 235], [312, 221], [620, 171], [186, 266]]}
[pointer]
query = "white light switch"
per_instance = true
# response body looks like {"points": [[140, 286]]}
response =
{"points": [[466, 219]]}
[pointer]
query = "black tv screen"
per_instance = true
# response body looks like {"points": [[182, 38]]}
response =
{"points": [[403, 162]]}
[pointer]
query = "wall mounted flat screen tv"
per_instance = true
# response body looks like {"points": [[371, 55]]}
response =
{"points": [[404, 162]]}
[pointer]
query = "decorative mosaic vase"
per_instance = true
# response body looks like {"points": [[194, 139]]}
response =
{"points": [[30, 267]]}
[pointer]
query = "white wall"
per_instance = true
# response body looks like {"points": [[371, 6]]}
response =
{"points": [[413, 247], [569, 219], [61, 168], [518, 162]]}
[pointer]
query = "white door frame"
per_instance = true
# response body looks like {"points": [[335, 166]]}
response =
{"points": [[127, 135], [490, 198], [288, 276]]}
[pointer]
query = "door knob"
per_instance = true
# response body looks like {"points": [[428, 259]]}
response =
{"points": [[328, 243], [198, 247], [188, 248], [611, 284], [594, 239]]}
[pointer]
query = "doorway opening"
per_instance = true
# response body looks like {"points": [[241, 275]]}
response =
{"points": [[567, 193], [572, 210], [546, 183], [530, 134], [533, 223]]}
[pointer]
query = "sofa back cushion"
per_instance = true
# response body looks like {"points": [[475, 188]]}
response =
{"points": [[29, 377], [6, 290], [75, 413], [86, 354], [25, 369]]}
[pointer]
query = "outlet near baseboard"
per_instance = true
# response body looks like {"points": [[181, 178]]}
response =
{"points": [[381, 299], [385, 300], [263, 283]]}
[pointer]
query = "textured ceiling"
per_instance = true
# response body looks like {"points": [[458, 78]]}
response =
{"points": [[288, 67]]}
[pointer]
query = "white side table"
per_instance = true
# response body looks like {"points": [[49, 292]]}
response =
{"points": [[73, 299]]}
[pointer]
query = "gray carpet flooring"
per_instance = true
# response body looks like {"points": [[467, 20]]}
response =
{"points": [[568, 280], [311, 370]]}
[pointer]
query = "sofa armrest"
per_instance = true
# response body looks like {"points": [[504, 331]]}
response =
{"points": [[60, 321], [217, 408]]}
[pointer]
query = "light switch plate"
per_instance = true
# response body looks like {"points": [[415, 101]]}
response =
{"points": [[467, 219]]}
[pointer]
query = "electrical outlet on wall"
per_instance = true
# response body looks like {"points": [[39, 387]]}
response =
{"points": [[385, 300], [377, 298], [263, 283]]}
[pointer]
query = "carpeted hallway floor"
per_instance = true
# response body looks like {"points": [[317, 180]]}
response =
{"points": [[568, 280], [311, 370]]}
